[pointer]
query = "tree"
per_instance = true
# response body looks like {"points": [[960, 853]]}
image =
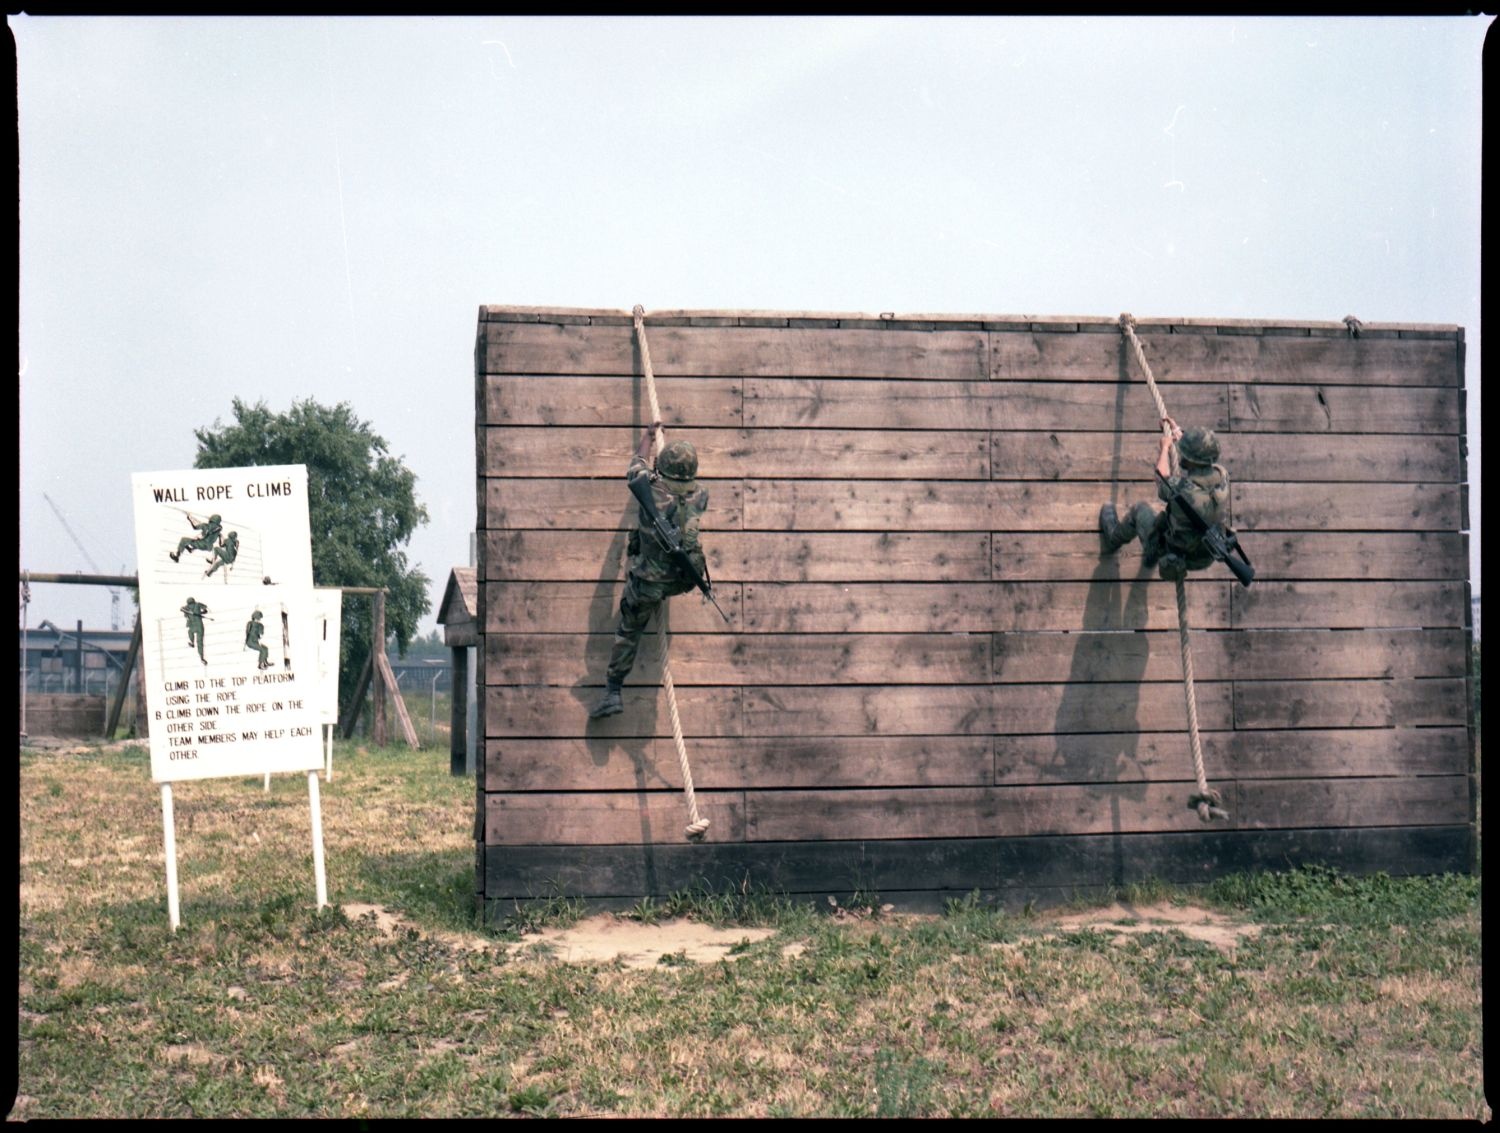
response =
{"points": [[362, 509]]}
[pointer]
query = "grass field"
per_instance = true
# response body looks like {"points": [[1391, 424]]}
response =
{"points": [[1317, 995]]}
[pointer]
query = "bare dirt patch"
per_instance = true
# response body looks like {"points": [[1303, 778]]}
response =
{"points": [[1123, 919], [607, 938]]}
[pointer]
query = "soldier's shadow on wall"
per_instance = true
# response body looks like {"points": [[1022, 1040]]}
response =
{"points": [[629, 736], [1097, 724]]}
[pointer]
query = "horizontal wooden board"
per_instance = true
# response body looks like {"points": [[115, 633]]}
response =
{"points": [[1350, 704], [976, 607], [1026, 356], [735, 556], [979, 709], [735, 659], [593, 505], [1114, 456], [723, 763], [1342, 409], [947, 454], [594, 608], [511, 348], [864, 505], [1431, 800], [965, 505], [623, 401], [1277, 556], [544, 711], [1279, 754], [830, 403], [567, 764], [1247, 655], [1356, 605], [1347, 507], [1017, 868], [965, 658], [593, 819]]}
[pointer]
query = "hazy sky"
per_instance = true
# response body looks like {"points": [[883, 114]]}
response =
{"points": [[278, 208]]}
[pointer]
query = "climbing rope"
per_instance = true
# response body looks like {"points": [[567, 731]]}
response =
{"points": [[1207, 801], [696, 825]]}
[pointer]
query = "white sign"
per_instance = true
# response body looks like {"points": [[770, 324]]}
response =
{"points": [[330, 607], [229, 623]]}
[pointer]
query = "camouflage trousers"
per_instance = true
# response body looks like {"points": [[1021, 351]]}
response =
{"points": [[641, 599], [1150, 525]]}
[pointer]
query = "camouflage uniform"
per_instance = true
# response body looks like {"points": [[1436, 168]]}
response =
{"points": [[1169, 540], [210, 530], [254, 629], [651, 575], [194, 611]]}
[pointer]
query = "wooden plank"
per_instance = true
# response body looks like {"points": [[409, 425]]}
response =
{"points": [[1244, 655], [510, 348], [767, 659], [1434, 800], [593, 608], [592, 819], [1277, 555], [1339, 605], [543, 712], [969, 812], [864, 505], [1342, 409], [622, 401], [808, 453], [1212, 357], [735, 556], [570, 505], [829, 403], [574, 764], [960, 607], [1315, 753], [979, 709], [1350, 704], [1114, 456], [1019, 868], [1346, 507]]}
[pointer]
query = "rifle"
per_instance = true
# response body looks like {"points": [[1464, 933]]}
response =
{"points": [[1222, 544], [671, 538]]}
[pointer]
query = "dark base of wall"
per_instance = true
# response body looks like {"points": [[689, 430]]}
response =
{"points": [[923, 875]]}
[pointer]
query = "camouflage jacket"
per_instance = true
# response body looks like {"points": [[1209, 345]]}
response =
{"points": [[1207, 489], [649, 558]]}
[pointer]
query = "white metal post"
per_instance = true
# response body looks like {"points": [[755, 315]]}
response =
{"points": [[315, 807], [170, 840]]}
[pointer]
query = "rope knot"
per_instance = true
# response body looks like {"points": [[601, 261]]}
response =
{"points": [[1127, 321], [638, 311], [1353, 324], [1207, 803]]}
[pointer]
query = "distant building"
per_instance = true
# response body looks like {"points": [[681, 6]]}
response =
{"points": [[67, 660]]}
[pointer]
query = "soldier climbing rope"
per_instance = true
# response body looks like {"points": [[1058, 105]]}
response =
{"points": [[1206, 801], [697, 825]]}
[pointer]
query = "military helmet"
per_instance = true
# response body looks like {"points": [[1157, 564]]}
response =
{"points": [[216, 518], [1198, 448], [678, 461], [255, 617]]}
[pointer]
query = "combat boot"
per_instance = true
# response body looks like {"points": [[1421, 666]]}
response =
{"points": [[1109, 530], [610, 704]]}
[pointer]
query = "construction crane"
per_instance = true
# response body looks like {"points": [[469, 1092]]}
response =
{"points": [[114, 594]]}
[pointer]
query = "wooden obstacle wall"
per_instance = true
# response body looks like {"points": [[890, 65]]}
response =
{"points": [[933, 682]]}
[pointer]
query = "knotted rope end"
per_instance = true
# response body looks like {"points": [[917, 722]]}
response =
{"points": [[697, 829]]}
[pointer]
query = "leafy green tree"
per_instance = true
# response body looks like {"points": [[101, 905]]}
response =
{"points": [[362, 509]]}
